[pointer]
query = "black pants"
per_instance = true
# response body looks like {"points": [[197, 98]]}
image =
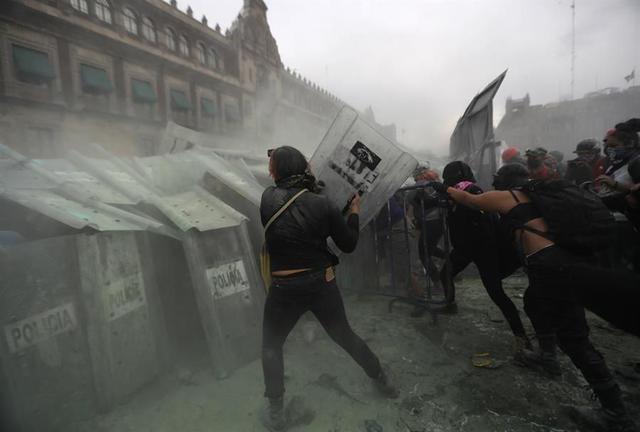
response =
{"points": [[491, 274], [613, 295], [553, 306], [288, 299]]}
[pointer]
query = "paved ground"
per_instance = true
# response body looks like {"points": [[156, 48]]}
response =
{"points": [[440, 388]]}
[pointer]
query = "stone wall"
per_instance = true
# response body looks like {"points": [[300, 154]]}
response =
{"points": [[560, 126]]}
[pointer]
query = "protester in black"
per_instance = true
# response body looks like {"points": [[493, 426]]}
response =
{"points": [[560, 283], [588, 165], [302, 274], [475, 237]]}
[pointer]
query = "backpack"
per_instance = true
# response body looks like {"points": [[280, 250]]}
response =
{"points": [[577, 219]]}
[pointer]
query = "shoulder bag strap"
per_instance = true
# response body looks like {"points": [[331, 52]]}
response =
{"points": [[283, 208]]}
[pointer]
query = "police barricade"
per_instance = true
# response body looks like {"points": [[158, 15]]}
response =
{"points": [[229, 289], [81, 319], [214, 235], [412, 247], [229, 182]]}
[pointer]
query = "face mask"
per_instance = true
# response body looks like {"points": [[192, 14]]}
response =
{"points": [[618, 153]]}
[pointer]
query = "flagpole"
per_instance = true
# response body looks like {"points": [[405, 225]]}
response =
{"points": [[573, 46], [637, 34]]}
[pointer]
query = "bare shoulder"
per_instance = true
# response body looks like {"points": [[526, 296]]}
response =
{"points": [[498, 201], [522, 197]]}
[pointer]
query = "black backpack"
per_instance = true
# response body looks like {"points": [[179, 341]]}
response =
{"points": [[577, 219]]}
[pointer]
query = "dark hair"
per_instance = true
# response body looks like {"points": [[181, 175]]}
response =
{"points": [[510, 176], [627, 132], [457, 171], [287, 161]]}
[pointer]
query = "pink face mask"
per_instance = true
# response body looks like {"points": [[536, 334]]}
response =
{"points": [[463, 185]]}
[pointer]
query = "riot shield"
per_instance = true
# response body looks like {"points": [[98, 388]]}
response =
{"points": [[354, 157]]}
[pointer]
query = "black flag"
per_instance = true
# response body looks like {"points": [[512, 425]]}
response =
{"points": [[631, 76]]}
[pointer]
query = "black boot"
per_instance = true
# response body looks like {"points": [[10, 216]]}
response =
{"points": [[614, 412], [384, 386], [543, 358], [418, 311], [612, 416], [273, 418]]}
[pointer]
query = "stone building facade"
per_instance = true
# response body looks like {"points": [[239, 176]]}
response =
{"points": [[116, 71], [560, 126]]}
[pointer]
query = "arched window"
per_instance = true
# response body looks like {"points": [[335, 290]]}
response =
{"points": [[148, 30], [184, 45], [172, 40], [130, 21], [201, 54], [103, 11], [212, 59], [80, 5]]}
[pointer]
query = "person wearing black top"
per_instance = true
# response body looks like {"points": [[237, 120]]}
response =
{"points": [[561, 285], [476, 237], [302, 274]]}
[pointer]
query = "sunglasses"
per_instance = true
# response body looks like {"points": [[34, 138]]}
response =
{"points": [[270, 152]]}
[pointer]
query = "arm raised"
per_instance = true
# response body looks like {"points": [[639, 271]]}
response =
{"points": [[492, 201]]}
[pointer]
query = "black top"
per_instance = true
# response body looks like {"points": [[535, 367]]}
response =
{"points": [[298, 237], [522, 213], [471, 230]]}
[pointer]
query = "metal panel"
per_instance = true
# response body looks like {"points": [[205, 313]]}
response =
{"points": [[72, 201], [120, 327], [353, 156], [77, 215], [115, 175], [200, 210], [19, 177], [233, 176], [178, 138], [66, 172], [44, 353], [230, 295]]}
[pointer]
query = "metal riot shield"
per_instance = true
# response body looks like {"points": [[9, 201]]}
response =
{"points": [[354, 157]]}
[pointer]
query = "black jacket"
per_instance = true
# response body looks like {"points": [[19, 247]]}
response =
{"points": [[298, 238]]}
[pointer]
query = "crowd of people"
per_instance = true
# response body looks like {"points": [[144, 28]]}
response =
{"points": [[552, 218], [614, 175]]}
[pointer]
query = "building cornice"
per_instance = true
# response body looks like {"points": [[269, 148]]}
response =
{"points": [[188, 20], [119, 37]]}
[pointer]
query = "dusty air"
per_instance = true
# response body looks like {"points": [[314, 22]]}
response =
{"points": [[345, 216]]}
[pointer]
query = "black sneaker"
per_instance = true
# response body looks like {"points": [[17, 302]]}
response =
{"points": [[601, 419], [297, 413], [273, 417], [450, 309], [418, 311], [384, 386], [546, 361]]}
